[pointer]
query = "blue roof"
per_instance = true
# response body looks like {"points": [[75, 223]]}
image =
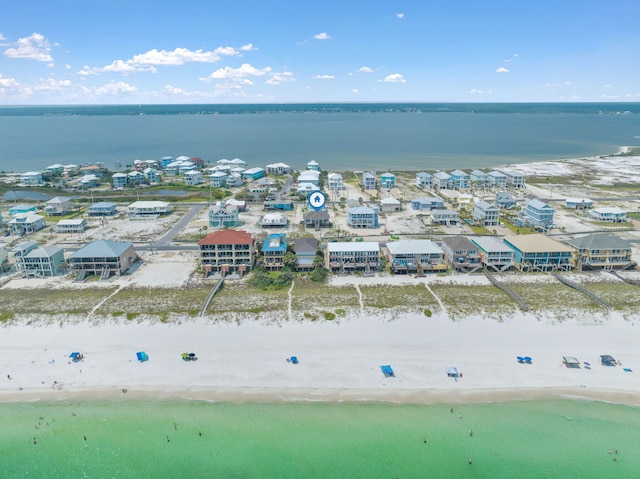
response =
{"points": [[102, 249], [275, 242]]}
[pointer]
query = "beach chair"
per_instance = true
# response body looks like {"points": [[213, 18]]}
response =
{"points": [[387, 371], [520, 359], [528, 360]]}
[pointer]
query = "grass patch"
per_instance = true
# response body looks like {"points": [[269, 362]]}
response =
{"points": [[469, 300], [405, 297], [620, 296], [242, 298], [328, 315], [555, 298], [51, 302], [5, 316]]}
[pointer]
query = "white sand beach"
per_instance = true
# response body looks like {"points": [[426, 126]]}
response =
{"points": [[338, 360]]}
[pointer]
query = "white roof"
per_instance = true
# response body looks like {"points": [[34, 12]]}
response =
{"points": [[413, 247], [390, 201], [611, 210], [278, 165], [334, 175], [193, 173], [352, 246], [491, 244], [149, 204], [76, 222], [578, 200]]}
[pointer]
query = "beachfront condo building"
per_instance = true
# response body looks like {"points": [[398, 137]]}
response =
{"points": [[415, 256], [461, 253], [354, 256], [538, 252], [495, 255], [601, 251], [103, 258], [227, 251]]}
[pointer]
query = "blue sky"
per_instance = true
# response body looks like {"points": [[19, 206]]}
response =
{"points": [[284, 51]]}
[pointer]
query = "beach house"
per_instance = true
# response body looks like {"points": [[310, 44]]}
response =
{"points": [[442, 181], [31, 178], [165, 161], [148, 209], [227, 251], [102, 208], [424, 180], [497, 179], [30, 222], [234, 180], [253, 174], [218, 179], [461, 253], [387, 180], [368, 181], [21, 208], [305, 250], [495, 255], [119, 180], [278, 205], [485, 214], [34, 261], [578, 203], [88, 181], [390, 204], [335, 182], [103, 258], [427, 204], [77, 225], [362, 217], [479, 179], [610, 215], [313, 165], [135, 178], [459, 179], [444, 217], [273, 220], [278, 169], [273, 250], [223, 216], [537, 213], [193, 177], [601, 251], [58, 206], [538, 252], [514, 179], [309, 176], [414, 256], [152, 175], [348, 257], [504, 200], [54, 170], [316, 219]]}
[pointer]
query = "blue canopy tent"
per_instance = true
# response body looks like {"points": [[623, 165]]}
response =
{"points": [[76, 357], [387, 371], [453, 372], [142, 356]]}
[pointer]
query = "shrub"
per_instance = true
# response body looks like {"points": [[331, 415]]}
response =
{"points": [[329, 316], [427, 313]]}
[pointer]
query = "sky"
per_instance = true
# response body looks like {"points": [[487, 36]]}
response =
{"points": [[311, 51]]}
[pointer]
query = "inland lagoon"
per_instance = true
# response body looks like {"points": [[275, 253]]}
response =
{"points": [[167, 439]]}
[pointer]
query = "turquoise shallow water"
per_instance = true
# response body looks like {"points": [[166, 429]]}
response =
{"points": [[546, 439]]}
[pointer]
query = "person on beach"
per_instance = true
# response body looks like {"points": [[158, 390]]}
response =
{"points": [[34, 440], [451, 410], [469, 461], [470, 432], [167, 438]]}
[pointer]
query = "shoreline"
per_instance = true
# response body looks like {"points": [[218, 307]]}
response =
{"points": [[420, 397]]}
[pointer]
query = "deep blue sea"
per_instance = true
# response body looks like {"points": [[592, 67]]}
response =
{"points": [[338, 136]]}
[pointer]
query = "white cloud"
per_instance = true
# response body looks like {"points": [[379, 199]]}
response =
{"points": [[278, 78], [237, 74], [365, 69], [322, 36], [355, 90], [115, 88], [394, 78], [324, 77], [51, 84], [400, 15], [608, 85], [502, 70], [145, 62], [248, 47], [67, 67], [475, 91], [609, 97], [33, 47], [8, 82], [2, 37]]}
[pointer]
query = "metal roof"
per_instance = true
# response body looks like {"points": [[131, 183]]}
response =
{"points": [[413, 247], [102, 249], [537, 243], [353, 246], [599, 241]]}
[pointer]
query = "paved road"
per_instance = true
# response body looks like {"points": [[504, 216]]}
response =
{"points": [[180, 225]]}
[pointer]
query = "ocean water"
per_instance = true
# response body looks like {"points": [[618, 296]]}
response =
{"points": [[127, 439], [338, 136]]}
